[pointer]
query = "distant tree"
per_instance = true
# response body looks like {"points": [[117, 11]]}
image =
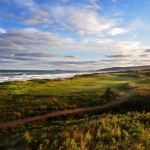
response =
{"points": [[108, 95]]}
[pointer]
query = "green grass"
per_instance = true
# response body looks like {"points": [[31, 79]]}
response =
{"points": [[81, 84]]}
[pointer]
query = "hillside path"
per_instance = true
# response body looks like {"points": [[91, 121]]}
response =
{"points": [[118, 101]]}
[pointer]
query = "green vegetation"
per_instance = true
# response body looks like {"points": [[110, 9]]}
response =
{"points": [[99, 132], [77, 84], [23, 99], [140, 102], [123, 127], [109, 95]]}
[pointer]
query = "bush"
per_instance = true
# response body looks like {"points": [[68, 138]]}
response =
{"points": [[109, 95], [127, 86]]}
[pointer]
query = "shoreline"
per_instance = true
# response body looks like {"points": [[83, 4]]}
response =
{"points": [[25, 77]]}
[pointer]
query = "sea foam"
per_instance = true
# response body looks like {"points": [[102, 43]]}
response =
{"points": [[13, 76]]}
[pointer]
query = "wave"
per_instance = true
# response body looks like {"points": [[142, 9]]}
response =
{"points": [[23, 77]]}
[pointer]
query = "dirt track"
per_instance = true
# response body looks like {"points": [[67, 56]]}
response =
{"points": [[120, 100]]}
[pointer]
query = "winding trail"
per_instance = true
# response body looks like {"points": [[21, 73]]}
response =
{"points": [[118, 101]]}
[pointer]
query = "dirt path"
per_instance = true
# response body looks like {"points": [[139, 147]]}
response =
{"points": [[120, 100]]}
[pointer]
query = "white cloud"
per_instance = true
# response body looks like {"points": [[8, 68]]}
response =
{"points": [[2, 30], [32, 13], [116, 31], [81, 19], [37, 20], [31, 30], [93, 4], [84, 21], [129, 45], [25, 3], [33, 46], [81, 32]]}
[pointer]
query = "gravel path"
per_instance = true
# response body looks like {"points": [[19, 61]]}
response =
{"points": [[118, 101]]}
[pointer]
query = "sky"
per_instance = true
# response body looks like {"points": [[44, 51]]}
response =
{"points": [[74, 34]]}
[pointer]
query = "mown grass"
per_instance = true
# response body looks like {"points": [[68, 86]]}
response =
{"points": [[78, 84]]}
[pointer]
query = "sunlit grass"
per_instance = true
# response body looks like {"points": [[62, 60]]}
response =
{"points": [[80, 84]]}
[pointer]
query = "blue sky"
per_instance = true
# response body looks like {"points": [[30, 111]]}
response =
{"points": [[74, 34]]}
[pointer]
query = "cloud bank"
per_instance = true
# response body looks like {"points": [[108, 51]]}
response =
{"points": [[65, 34]]}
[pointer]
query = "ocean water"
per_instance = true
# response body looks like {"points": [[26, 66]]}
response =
{"points": [[15, 75]]}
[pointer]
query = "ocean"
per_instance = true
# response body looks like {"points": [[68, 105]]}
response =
{"points": [[17, 75]]}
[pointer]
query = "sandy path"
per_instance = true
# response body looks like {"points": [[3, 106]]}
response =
{"points": [[118, 101]]}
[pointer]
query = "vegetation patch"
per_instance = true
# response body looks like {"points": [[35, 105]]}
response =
{"points": [[129, 85], [107, 131]]}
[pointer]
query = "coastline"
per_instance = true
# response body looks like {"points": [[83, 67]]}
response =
{"points": [[21, 76]]}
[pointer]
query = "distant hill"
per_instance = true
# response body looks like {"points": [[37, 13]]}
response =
{"points": [[41, 71], [125, 68]]}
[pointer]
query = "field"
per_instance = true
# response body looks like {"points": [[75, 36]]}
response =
{"points": [[123, 127], [77, 84]]}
